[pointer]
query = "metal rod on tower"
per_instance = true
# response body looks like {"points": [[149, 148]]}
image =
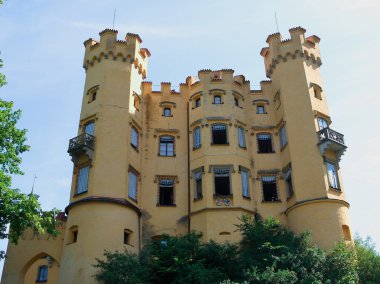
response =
{"points": [[34, 179], [113, 22], [275, 16]]}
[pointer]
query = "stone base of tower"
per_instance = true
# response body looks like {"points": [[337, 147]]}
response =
{"points": [[326, 219], [217, 225], [94, 226]]}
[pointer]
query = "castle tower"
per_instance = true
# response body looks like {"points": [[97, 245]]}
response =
{"points": [[104, 211], [316, 201], [219, 153]]}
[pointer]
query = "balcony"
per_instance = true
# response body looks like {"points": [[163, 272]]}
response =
{"points": [[82, 144], [329, 139]]}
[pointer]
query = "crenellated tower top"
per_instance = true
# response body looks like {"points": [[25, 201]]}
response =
{"points": [[110, 48], [297, 46]]}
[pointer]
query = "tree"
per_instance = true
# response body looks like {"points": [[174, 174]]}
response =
{"points": [[20, 210], [368, 261]]}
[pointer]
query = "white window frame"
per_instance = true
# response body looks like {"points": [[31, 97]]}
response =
{"points": [[82, 180], [241, 137]]}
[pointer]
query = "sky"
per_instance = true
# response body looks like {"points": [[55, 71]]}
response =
{"points": [[41, 44]]}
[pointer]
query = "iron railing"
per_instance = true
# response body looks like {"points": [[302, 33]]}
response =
{"points": [[329, 134], [80, 142]]}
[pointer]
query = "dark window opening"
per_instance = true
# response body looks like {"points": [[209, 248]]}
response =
{"points": [[198, 102], [217, 100], [219, 134], [167, 111], [166, 192], [222, 181], [264, 143], [42, 273], [94, 96], [127, 236], [236, 101], [75, 236], [269, 188]]}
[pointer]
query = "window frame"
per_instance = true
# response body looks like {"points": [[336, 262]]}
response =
{"points": [[197, 139], [215, 102], [283, 137], [276, 198], [336, 175], [216, 175], [164, 111], [271, 143], [160, 197], [42, 274], [197, 175], [226, 133], [197, 102], [86, 124], [260, 107], [162, 154], [78, 171], [135, 144], [136, 174], [245, 193], [241, 137], [321, 122]]}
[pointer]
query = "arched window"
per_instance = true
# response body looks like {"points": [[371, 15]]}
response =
{"points": [[264, 143], [42, 273], [167, 146], [219, 134], [197, 138], [89, 128], [322, 123]]}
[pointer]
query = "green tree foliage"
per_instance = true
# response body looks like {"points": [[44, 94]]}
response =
{"points": [[368, 261], [19, 210], [268, 253]]}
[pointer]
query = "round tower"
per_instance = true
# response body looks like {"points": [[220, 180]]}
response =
{"points": [[316, 200], [220, 167], [104, 213]]}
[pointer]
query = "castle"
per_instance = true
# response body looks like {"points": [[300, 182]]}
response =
{"points": [[150, 162]]}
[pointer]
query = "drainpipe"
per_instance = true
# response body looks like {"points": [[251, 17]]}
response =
{"points": [[188, 169]]}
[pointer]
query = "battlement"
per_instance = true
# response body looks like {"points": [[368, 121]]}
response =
{"points": [[166, 88], [109, 47], [280, 50]]}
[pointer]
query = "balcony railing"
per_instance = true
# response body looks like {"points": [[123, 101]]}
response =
{"points": [[82, 144], [329, 139]]}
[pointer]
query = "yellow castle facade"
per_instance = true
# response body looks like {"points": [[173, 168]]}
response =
{"points": [[147, 163]]}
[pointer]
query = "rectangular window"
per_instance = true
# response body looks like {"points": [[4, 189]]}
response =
{"points": [[167, 111], [289, 184], [217, 100], [260, 110], [197, 102], [264, 143], [198, 185], [283, 139], [222, 183], [241, 137], [166, 192], [132, 192], [197, 138], [322, 123], [269, 188], [245, 182], [219, 134], [42, 273], [167, 146], [134, 138], [82, 180], [332, 175], [236, 102], [127, 237]]}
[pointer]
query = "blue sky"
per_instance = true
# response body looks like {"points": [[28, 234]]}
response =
{"points": [[41, 45]]}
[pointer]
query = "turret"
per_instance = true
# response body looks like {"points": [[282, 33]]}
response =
{"points": [[312, 148], [104, 210]]}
